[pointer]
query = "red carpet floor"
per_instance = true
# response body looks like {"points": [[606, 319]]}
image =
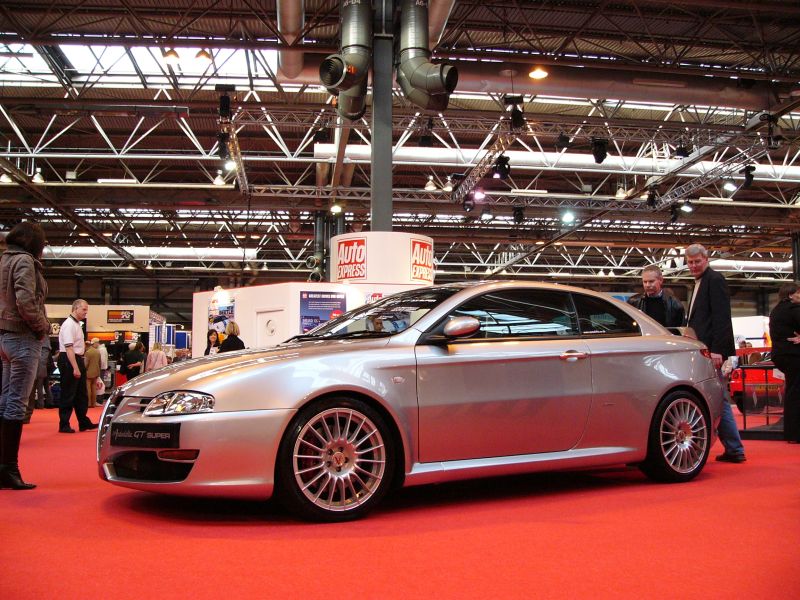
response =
{"points": [[732, 533]]}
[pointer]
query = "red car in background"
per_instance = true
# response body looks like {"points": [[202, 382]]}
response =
{"points": [[757, 387]]}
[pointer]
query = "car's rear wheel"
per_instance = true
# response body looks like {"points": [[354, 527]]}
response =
{"points": [[336, 461], [680, 439]]}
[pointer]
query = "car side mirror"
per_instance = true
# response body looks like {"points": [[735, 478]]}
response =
{"points": [[461, 327]]}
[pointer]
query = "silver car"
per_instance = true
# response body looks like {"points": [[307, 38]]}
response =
{"points": [[436, 384]]}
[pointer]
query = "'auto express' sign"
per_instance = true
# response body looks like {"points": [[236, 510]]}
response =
{"points": [[152, 435], [352, 259], [421, 261]]}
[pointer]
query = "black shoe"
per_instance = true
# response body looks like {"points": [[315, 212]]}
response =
{"points": [[66, 430], [88, 427], [731, 458], [11, 479]]}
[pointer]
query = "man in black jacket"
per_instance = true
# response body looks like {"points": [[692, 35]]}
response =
{"points": [[656, 302], [710, 317]]}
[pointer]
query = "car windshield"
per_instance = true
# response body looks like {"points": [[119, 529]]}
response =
{"points": [[384, 317]]}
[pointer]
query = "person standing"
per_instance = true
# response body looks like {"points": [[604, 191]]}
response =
{"points": [[156, 358], [40, 393], [92, 360], [73, 370], [710, 317], [134, 360], [23, 324], [656, 302], [231, 341], [784, 323]]}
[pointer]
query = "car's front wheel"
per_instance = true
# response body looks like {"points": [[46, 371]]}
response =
{"points": [[680, 439], [336, 461]]}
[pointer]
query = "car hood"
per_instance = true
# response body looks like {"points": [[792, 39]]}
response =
{"points": [[210, 372]]}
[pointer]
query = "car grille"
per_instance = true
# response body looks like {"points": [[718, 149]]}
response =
{"points": [[108, 414], [144, 465]]}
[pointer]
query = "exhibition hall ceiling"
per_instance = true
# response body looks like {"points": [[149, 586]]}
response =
{"points": [[116, 150]]}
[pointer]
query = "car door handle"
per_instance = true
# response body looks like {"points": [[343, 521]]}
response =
{"points": [[573, 355]]}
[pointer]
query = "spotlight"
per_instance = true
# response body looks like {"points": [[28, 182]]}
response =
{"points": [[430, 185], [517, 118], [37, 176], [225, 107], [674, 213], [322, 136], [567, 217], [729, 185], [219, 180], [222, 145], [652, 196], [599, 149], [562, 142], [519, 215], [5, 178], [468, 204], [487, 215], [478, 194], [426, 140], [687, 207], [448, 185], [230, 165], [336, 208], [501, 168], [748, 176], [682, 151], [621, 193]]}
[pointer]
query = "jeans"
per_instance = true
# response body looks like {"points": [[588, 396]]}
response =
{"points": [[20, 356], [728, 431]]}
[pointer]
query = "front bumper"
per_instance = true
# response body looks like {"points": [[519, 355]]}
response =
{"points": [[236, 454]]}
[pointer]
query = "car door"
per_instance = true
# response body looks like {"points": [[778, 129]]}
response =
{"points": [[521, 385]]}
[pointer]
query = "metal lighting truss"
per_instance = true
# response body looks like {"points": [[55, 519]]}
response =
{"points": [[482, 167]]}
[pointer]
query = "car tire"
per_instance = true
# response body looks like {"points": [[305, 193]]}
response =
{"points": [[336, 461], [679, 440]]}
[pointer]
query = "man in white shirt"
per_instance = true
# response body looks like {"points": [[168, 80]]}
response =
{"points": [[72, 346]]}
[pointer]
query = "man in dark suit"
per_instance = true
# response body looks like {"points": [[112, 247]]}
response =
{"points": [[710, 317]]}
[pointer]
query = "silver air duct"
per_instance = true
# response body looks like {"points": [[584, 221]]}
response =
{"points": [[345, 73], [291, 16], [427, 85]]}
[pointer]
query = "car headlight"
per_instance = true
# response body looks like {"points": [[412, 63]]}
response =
{"points": [[179, 403]]}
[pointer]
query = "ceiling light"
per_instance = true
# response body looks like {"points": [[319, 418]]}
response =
{"points": [[4, 178], [567, 216], [430, 185], [682, 151], [687, 207], [519, 215], [448, 185], [230, 165], [527, 192], [37, 176], [538, 73], [468, 204], [487, 215], [171, 56], [225, 107], [599, 149], [562, 142], [621, 193], [729, 185], [336, 208], [203, 55], [118, 181], [674, 213], [219, 179], [652, 197], [478, 194]]}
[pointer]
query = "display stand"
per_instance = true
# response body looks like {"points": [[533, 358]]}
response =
{"points": [[761, 404]]}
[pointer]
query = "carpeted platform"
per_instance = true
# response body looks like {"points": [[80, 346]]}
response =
{"points": [[732, 533]]}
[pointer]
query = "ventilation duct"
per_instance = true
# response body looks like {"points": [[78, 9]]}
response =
{"points": [[345, 74], [291, 15], [425, 84]]}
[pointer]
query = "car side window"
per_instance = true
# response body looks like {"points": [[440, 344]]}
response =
{"points": [[521, 313], [600, 317]]}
